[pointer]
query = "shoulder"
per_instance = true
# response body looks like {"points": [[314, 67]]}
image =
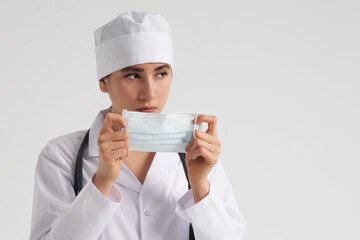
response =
{"points": [[69, 140], [63, 148]]}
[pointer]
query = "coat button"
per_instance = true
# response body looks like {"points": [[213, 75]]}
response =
{"points": [[147, 213]]}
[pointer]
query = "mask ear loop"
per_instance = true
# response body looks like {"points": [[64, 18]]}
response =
{"points": [[195, 125], [124, 114]]}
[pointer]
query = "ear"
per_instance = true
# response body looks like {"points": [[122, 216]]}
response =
{"points": [[103, 85]]}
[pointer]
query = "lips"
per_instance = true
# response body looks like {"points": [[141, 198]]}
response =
{"points": [[147, 109]]}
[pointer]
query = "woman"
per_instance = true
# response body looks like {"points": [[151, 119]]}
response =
{"points": [[128, 194]]}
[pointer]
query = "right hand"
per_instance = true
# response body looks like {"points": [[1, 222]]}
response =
{"points": [[113, 149]]}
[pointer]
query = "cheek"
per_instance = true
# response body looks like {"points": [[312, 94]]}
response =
{"points": [[122, 92], [164, 88]]}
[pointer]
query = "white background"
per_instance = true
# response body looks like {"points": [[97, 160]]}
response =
{"points": [[282, 76]]}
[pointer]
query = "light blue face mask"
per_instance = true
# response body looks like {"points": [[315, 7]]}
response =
{"points": [[159, 132]]}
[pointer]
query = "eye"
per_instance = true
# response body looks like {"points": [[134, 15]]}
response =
{"points": [[161, 75], [132, 75]]}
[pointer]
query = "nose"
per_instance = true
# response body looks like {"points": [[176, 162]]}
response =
{"points": [[148, 89]]}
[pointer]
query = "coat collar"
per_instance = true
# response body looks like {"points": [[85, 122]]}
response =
{"points": [[163, 165], [93, 150]]}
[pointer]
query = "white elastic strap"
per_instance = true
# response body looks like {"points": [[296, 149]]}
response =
{"points": [[124, 114], [195, 125]]}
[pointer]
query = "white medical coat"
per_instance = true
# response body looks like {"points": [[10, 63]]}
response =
{"points": [[161, 208]]}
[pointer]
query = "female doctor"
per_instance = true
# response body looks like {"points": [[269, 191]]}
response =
{"points": [[128, 194]]}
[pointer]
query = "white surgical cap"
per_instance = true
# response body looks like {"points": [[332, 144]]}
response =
{"points": [[132, 38]]}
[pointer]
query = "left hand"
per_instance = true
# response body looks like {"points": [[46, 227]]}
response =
{"points": [[202, 153]]}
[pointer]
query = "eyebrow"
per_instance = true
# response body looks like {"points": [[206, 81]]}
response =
{"points": [[161, 67], [136, 69]]}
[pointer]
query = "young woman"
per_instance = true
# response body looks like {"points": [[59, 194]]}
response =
{"points": [[129, 194]]}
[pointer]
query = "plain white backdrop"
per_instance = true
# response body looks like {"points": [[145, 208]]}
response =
{"points": [[282, 76]]}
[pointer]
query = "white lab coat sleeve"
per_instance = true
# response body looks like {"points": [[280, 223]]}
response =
{"points": [[57, 213], [217, 215]]}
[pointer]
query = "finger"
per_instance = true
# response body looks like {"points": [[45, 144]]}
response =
{"points": [[113, 137], [188, 147], [120, 136], [207, 137], [119, 154], [112, 146], [122, 154], [109, 120], [212, 123], [126, 147], [201, 143], [116, 136], [112, 156], [208, 156]]}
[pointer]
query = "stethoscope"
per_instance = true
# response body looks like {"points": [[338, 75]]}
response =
{"points": [[78, 183]]}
